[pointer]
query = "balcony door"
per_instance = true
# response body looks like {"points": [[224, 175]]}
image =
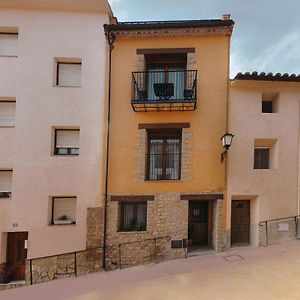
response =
{"points": [[166, 76], [170, 77]]}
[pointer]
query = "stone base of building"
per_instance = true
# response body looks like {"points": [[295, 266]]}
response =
{"points": [[277, 232], [61, 266], [167, 226]]}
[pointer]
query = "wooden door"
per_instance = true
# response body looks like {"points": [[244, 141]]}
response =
{"points": [[198, 222], [240, 221], [16, 254]]}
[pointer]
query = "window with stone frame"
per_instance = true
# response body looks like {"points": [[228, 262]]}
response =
{"points": [[164, 154], [133, 216]]}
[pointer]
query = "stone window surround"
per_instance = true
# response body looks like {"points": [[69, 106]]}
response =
{"points": [[140, 170]]}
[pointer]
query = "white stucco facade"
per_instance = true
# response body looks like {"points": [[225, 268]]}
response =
{"points": [[46, 33], [273, 192]]}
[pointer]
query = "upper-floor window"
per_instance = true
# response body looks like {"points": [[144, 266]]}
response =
{"points": [[7, 113], [5, 183], [68, 73], [165, 81], [164, 154], [8, 44], [261, 158], [63, 210], [133, 216], [265, 154], [166, 73], [269, 103], [66, 142]]}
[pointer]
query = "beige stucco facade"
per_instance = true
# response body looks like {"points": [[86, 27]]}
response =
{"points": [[273, 192], [49, 30]]}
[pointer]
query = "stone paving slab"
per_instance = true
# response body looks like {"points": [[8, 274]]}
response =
{"points": [[263, 273]]}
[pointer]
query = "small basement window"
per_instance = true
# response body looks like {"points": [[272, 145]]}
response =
{"points": [[63, 210], [5, 183], [66, 142], [269, 103], [8, 44], [7, 113], [68, 74], [133, 216]]}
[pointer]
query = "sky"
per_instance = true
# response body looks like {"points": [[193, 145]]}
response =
{"points": [[266, 35]]}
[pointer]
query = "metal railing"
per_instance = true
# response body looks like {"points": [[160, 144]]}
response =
{"points": [[164, 86], [266, 224], [87, 261]]}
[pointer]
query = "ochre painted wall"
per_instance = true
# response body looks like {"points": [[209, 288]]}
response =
{"points": [[207, 122]]}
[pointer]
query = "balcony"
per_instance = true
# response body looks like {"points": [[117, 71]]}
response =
{"points": [[155, 91]]}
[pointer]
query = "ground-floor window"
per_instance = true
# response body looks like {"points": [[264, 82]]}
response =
{"points": [[133, 216]]}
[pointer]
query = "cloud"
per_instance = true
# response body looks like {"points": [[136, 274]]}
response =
{"points": [[277, 57]]}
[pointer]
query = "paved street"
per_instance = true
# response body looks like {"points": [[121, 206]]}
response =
{"points": [[248, 273]]}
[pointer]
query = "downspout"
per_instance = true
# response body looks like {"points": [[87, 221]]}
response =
{"points": [[298, 175], [110, 38]]}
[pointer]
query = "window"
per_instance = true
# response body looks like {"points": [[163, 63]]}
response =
{"points": [[7, 113], [266, 153], [133, 216], [63, 210], [164, 155], [267, 106], [68, 74], [8, 44], [5, 183], [261, 158], [166, 75], [270, 102], [66, 142]]}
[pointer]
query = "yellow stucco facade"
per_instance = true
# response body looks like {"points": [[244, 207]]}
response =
{"points": [[207, 122]]}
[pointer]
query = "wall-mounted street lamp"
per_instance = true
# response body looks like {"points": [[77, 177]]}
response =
{"points": [[226, 142]]}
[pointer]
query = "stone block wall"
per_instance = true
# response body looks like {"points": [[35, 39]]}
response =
{"points": [[65, 265], [217, 238], [94, 227], [167, 217], [278, 231]]}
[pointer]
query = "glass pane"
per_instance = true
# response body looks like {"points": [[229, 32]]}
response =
{"points": [[128, 217], [155, 75], [156, 159], [173, 159], [176, 76]]}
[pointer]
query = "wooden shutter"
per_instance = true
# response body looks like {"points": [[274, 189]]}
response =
{"points": [[67, 138], [64, 206], [8, 44], [7, 113], [69, 74], [5, 181], [261, 158]]}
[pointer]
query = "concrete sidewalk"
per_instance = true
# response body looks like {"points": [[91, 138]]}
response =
{"points": [[247, 273]]}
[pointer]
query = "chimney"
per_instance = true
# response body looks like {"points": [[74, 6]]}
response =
{"points": [[226, 17]]}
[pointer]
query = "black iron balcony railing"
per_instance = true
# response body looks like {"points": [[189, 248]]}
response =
{"points": [[164, 90]]}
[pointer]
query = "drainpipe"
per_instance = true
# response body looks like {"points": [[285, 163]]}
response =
{"points": [[110, 38], [298, 175]]}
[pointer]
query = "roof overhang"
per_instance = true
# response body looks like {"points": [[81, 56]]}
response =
{"points": [[98, 6], [171, 28]]}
